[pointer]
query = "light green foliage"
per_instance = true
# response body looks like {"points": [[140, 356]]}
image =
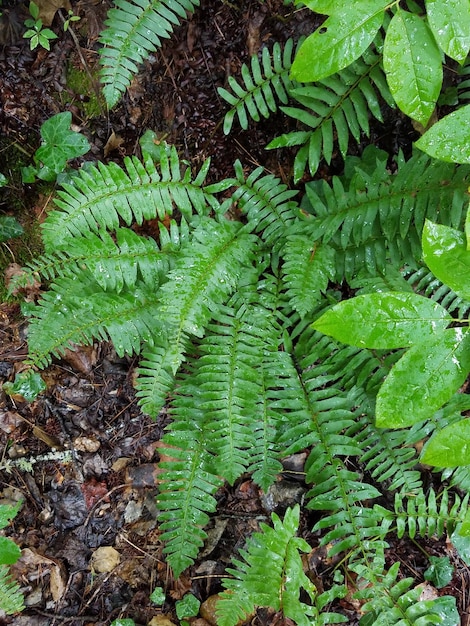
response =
{"points": [[449, 139], [277, 585], [135, 29], [11, 599]]}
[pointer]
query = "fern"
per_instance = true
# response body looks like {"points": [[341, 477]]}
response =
{"points": [[263, 83], [11, 598], [134, 29], [277, 586], [373, 217], [103, 195], [338, 105]]}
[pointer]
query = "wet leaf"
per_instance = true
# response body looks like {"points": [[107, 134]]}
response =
{"points": [[60, 144], [449, 139], [9, 551], [412, 64], [425, 377], [440, 571], [449, 447], [445, 253], [339, 41], [383, 320], [9, 227], [450, 23], [27, 385], [188, 606], [158, 596]]}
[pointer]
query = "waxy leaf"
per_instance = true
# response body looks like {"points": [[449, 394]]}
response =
{"points": [[450, 23], [425, 377], [324, 7], [339, 41], [383, 320], [450, 446], [445, 253], [449, 138], [9, 551], [413, 65]]}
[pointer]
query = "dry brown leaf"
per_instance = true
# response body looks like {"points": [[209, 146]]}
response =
{"points": [[161, 620], [105, 559], [48, 9], [114, 143]]}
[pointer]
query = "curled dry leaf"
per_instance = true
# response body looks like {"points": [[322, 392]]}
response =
{"points": [[105, 559]]}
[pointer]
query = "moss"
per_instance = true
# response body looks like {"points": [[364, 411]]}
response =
{"points": [[82, 92]]}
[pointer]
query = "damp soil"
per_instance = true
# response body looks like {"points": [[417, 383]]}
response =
{"points": [[82, 457]]}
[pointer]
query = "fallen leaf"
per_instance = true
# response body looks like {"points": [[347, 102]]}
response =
{"points": [[114, 142], [105, 559], [48, 9]]}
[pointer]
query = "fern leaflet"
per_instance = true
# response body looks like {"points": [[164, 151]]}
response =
{"points": [[11, 598]]}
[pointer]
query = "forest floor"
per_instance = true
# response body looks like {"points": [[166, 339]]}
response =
{"points": [[88, 527]]}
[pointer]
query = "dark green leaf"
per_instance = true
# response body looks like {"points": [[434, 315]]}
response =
{"points": [[9, 227], [383, 320], [425, 377], [27, 384], [440, 571]]}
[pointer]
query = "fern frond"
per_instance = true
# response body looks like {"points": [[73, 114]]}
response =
{"points": [[134, 29], [392, 602], [429, 516], [188, 483], [376, 217], [264, 199], [308, 267], [277, 586], [335, 106], [205, 273], [101, 196], [11, 598], [66, 316], [424, 282], [263, 83]]}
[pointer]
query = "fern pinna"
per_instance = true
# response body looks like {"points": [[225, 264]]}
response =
{"points": [[221, 312]]}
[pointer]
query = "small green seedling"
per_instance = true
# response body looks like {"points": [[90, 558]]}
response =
{"points": [[36, 33]]}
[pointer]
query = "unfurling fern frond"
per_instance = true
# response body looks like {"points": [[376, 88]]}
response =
{"points": [[375, 217], [102, 195], [11, 598], [134, 29], [265, 82], [277, 586], [337, 106]]}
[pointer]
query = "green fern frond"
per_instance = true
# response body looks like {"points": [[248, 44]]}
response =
{"points": [[308, 267], [424, 282], [337, 106], [392, 602], [134, 29], [205, 273], [67, 316], [277, 586], [188, 483], [101, 196], [264, 199], [11, 598], [429, 516], [262, 84], [376, 217]]}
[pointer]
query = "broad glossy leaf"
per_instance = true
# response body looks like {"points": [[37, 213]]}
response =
{"points": [[450, 23], [412, 64], [449, 138], [425, 377], [445, 253], [339, 41], [450, 446], [383, 320], [325, 7]]}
